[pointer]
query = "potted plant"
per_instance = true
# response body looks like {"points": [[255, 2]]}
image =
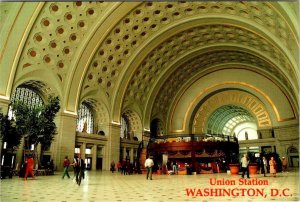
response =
{"points": [[10, 138], [234, 168], [253, 166], [234, 164], [9, 132], [37, 124]]}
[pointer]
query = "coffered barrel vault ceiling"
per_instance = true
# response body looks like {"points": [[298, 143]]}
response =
{"points": [[161, 60]]}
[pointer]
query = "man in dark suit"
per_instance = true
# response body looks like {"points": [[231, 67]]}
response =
{"points": [[79, 168]]}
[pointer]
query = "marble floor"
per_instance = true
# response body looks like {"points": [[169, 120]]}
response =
{"points": [[105, 186]]}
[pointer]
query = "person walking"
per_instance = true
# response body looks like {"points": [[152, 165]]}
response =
{"points": [[284, 164], [66, 165], [23, 168], [124, 167], [112, 166], [264, 166], [272, 164], [29, 167], [51, 167], [245, 163], [119, 166], [79, 167], [149, 164], [174, 166]]}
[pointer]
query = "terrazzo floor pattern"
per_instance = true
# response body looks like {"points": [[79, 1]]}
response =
{"points": [[105, 186]]}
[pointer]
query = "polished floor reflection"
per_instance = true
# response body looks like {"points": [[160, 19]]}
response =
{"points": [[105, 186]]}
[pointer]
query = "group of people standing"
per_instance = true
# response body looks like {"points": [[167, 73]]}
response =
{"points": [[124, 167], [170, 168], [265, 164]]}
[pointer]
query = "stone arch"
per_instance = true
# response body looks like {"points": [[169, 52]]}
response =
{"points": [[292, 150], [293, 156], [85, 118], [91, 46], [43, 89], [235, 97], [157, 127], [137, 76], [101, 114], [232, 78], [135, 124]]}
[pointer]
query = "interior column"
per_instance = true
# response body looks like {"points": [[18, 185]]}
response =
{"points": [[94, 158], [124, 153], [82, 150], [131, 155], [64, 142], [4, 103], [113, 145]]}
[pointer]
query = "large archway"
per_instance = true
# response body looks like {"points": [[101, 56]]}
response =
{"points": [[224, 111]]}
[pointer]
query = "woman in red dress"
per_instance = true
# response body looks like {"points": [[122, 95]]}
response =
{"points": [[29, 167]]}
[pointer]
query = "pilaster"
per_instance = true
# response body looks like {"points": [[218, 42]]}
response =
{"points": [[124, 153], [64, 142], [286, 136], [4, 103], [131, 155], [82, 150], [113, 145], [265, 133], [146, 138], [94, 152]]}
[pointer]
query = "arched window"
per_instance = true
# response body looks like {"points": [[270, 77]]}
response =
{"points": [[157, 128], [124, 127], [101, 132], [85, 120], [26, 96], [292, 150], [29, 97]]}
